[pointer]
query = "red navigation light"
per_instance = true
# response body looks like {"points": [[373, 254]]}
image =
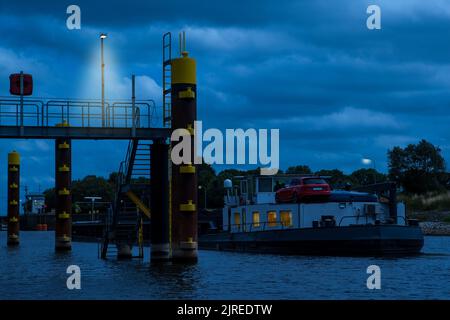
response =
{"points": [[14, 84]]}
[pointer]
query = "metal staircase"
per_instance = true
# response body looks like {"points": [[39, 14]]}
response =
{"points": [[167, 76], [132, 198], [167, 106], [124, 224]]}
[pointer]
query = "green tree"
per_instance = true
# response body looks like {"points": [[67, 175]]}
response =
{"points": [[112, 178], [206, 178], [301, 169], [418, 168], [337, 179], [88, 186], [230, 173], [91, 186], [50, 199], [363, 177]]}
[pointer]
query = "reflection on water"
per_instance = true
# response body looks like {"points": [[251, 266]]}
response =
{"points": [[35, 271]]}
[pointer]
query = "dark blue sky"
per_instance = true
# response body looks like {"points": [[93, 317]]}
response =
{"points": [[337, 91]]}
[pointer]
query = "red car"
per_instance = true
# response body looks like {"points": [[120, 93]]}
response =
{"points": [[301, 189]]}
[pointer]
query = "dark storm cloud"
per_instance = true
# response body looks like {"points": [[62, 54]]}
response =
{"points": [[119, 13], [336, 90]]}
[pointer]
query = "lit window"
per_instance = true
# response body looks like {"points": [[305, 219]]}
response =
{"points": [[237, 219], [286, 218], [256, 220], [272, 218]]}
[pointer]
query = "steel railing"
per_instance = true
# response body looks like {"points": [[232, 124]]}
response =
{"points": [[77, 113], [374, 217], [355, 217], [275, 225], [260, 226], [10, 112]]}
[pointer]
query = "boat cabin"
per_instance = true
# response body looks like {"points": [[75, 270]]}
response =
{"points": [[250, 206]]}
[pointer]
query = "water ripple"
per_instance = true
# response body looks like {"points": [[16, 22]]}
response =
{"points": [[35, 271]]}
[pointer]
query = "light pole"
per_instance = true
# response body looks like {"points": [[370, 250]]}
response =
{"points": [[368, 161], [92, 204], [103, 36], [204, 191]]}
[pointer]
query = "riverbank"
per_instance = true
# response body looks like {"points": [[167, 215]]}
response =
{"points": [[435, 228], [435, 223]]}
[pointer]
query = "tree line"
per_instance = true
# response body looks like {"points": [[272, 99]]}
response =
{"points": [[417, 169]]}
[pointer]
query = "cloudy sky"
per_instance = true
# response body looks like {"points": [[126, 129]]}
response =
{"points": [[336, 90]]}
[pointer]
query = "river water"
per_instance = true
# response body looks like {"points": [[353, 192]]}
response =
{"points": [[35, 271]]}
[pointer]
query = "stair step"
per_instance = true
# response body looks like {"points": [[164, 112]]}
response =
{"points": [[136, 167], [125, 233], [129, 213], [128, 218], [126, 224]]}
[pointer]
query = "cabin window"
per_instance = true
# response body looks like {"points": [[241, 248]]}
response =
{"points": [[286, 218], [256, 219], [272, 218], [237, 219]]}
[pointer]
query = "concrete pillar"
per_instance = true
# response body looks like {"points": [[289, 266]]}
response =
{"points": [[63, 183], [123, 251], [184, 176], [160, 249]]}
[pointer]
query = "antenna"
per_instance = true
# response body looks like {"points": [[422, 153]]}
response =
{"points": [[182, 43]]}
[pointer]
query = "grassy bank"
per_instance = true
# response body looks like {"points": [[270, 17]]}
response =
{"points": [[429, 202], [432, 209]]}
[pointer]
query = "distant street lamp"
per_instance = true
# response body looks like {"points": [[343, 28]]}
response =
{"points": [[367, 161], [204, 191], [103, 36]]}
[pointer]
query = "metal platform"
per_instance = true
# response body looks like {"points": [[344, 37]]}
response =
{"points": [[41, 119]]}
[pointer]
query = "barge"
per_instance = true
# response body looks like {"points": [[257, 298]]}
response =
{"points": [[353, 223]]}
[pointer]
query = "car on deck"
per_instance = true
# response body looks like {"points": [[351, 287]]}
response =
{"points": [[304, 189]]}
